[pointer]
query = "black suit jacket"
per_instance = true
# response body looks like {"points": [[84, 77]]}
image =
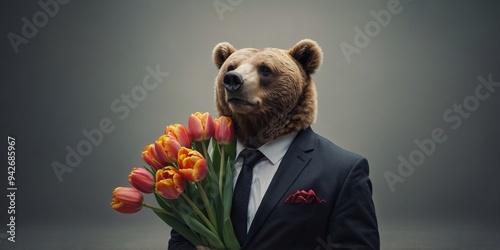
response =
{"points": [[346, 221]]}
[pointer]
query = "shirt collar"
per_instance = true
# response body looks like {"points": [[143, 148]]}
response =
{"points": [[273, 150]]}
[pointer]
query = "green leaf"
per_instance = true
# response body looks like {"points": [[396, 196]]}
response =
{"points": [[197, 146], [205, 241], [231, 150], [228, 235], [216, 156], [207, 144], [176, 222], [164, 203], [214, 241], [211, 181], [195, 195], [227, 193], [219, 212], [151, 170], [180, 227], [194, 223], [191, 190]]}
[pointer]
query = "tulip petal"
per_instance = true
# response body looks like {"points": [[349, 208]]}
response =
{"points": [[142, 180], [200, 126], [149, 158], [160, 152], [169, 183], [192, 165], [223, 130], [127, 200], [179, 133]]}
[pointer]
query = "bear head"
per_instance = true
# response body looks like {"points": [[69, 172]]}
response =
{"points": [[267, 92]]}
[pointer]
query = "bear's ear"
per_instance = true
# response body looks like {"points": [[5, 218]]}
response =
{"points": [[308, 53], [221, 52]]}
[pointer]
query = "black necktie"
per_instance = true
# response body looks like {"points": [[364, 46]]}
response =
{"points": [[241, 194]]}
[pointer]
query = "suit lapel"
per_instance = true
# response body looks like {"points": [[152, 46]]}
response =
{"points": [[292, 165]]}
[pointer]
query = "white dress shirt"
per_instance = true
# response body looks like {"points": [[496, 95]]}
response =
{"points": [[263, 171]]}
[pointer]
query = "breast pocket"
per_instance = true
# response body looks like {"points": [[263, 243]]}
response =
{"points": [[306, 222], [301, 208]]}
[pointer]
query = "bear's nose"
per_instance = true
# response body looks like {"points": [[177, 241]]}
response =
{"points": [[233, 81]]}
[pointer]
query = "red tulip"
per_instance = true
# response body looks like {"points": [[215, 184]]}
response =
{"points": [[148, 155], [166, 149], [142, 180], [127, 200], [224, 130], [169, 183], [201, 126], [180, 133], [192, 165]]}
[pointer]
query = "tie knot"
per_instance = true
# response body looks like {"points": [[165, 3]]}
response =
{"points": [[251, 157]]}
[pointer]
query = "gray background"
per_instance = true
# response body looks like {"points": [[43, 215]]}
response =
{"points": [[394, 91]]}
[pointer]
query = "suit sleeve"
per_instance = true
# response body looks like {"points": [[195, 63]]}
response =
{"points": [[354, 223], [178, 242]]}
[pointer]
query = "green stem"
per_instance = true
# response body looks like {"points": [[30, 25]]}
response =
{"points": [[157, 209], [200, 214], [210, 211], [205, 151], [221, 170]]}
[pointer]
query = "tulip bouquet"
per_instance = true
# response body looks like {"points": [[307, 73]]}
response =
{"points": [[193, 188]]}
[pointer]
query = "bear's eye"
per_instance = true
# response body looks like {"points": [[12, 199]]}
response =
{"points": [[230, 68], [264, 70]]}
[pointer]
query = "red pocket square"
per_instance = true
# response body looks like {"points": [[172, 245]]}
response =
{"points": [[304, 196]]}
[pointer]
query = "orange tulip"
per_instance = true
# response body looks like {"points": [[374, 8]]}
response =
{"points": [[166, 149], [224, 130], [127, 200], [201, 126], [180, 133], [169, 183], [142, 180], [192, 165], [148, 155]]}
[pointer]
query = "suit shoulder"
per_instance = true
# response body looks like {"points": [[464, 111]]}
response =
{"points": [[327, 146], [338, 162], [324, 152]]}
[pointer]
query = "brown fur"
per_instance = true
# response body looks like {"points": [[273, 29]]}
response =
{"points": [[268, 105]]}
